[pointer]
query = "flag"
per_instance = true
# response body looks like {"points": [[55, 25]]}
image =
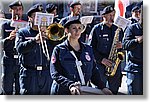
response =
{"points": [[120, 7]]}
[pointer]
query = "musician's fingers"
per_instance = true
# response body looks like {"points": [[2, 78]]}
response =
{"points": [[44, 37], [108, 63], [119, 45], [74, 91], [13, 32], [43, 29], [77, 92], [37, 38]]}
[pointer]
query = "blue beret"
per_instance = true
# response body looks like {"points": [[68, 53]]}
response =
{"points": [[75, 3], [50, 8], [35, 8], [108, 9], [15, 3], [135, 8], [72, 21]]}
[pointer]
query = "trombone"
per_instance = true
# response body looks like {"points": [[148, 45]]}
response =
{"points": [[54, 32]]}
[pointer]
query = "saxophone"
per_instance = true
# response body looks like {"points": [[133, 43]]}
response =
{"points": [[114, 56]]}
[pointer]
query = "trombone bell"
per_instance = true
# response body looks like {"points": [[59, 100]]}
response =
{"points": [[55, 32]]}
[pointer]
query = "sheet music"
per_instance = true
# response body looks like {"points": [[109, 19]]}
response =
{"points": [[86, 19], [43, 18], [19, 24], [122, 22]]}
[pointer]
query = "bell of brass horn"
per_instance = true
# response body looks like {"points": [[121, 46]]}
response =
{"points": [[55, 32]]}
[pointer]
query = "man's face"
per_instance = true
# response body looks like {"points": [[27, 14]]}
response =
{"points": [[136, 13], [54, 12], [109, 18], [32, 17], [17, 10], [76, 10]]}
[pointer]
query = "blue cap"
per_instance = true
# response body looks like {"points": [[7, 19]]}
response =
{"points": [[15, 3], [50, 7], [135, 8], [75, 3], [108, 9], [35, 8], [72, 21]]}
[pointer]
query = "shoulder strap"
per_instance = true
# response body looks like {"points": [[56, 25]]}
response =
{"points": [[79, 64]]}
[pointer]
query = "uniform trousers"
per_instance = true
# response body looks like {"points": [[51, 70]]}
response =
{"points": [[113, 83], [10, 76], [35, 82]]}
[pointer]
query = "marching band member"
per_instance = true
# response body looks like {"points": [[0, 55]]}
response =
{"points": [[75, 8], [34, 71], [10, 58], [135, 14], [51, 8], [102, 38], [72, 63], [133, 43]]}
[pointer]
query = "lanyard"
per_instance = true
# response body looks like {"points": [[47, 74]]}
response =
{"points": [[79, 64]]}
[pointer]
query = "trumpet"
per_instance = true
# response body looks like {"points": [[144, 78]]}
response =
{"points": [[54, 32]]}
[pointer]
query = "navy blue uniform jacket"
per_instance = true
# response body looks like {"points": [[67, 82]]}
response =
{"points": [[134, 49], [8, 44], [64, 71], [102, 40], [30, 51]]}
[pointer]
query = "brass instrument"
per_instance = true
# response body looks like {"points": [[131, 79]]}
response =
{"points": [[55, 32], [114, 56]]}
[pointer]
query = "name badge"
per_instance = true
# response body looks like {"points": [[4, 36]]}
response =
{"points": [[105, 35], [39, 67], [8, 30], [16, 56], [29, 38]]}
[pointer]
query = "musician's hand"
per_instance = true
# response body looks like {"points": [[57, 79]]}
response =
{"points": [[75, 88], [106, 62], [43, 29], [74, 91], [106, 91], [12, 35], [37, 38], [139, 39], [119, 45], [43, 32], [44, 36]]}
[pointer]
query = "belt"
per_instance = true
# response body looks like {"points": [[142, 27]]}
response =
{"points": [[11, 55], [37, 67]]}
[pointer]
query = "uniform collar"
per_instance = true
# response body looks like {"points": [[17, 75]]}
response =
{"points": [[137, 19], [103, 24], [70, 48], [139, 25]]}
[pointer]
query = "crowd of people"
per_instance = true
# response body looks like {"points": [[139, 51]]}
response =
{"points": [[73, 61]]}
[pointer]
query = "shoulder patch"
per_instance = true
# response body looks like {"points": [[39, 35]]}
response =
{"points": [[53, 59]]}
